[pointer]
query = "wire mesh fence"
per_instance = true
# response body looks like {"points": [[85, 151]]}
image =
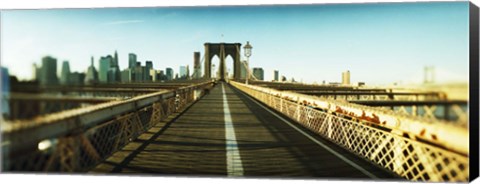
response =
{"points": [[83, 147], [408, 157]]}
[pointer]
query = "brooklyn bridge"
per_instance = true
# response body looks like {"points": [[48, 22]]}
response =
{"points": [[234, 125]]}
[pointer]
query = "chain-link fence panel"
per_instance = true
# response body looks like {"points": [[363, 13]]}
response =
{"points": [[76, 146], [409, 157]]}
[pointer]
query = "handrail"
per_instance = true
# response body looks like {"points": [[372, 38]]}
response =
{"points": [[383, 144], [25, 133], [451, 136]]}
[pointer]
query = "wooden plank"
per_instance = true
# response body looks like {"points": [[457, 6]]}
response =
{"points": [[195, 144]]}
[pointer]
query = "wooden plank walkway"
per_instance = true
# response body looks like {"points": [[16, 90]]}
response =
{"points": [[195, 144]]}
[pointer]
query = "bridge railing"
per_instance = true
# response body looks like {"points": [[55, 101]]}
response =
{"points": [[393, 147], [453, 111], [78, 139], [359, 94], [419, 102], [28, 105]]}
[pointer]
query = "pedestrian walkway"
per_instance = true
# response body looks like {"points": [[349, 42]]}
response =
{"points": [[228, 133]]}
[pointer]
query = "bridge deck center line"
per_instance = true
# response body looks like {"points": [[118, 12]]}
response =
{"points": [[234, 161]]}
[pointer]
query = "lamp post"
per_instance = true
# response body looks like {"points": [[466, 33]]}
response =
{"points": [[214, 73], [248, 52]]}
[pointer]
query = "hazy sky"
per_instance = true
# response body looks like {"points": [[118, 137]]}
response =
{"points": [[378, 43]]}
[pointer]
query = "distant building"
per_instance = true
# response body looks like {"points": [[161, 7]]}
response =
{"points": [[275, 75], [197, 72], [346, 78], [149, 67], [258, 73], [138, 74], [109, 70], [152, 75], [141, 73], [5, 79], [132, 60], [169, 73], [114, 71], [113, 75], [361, 84], [104, 67], [156, 75], [65, 74], [149, 64], [35, 72], [48, 73], [229, 74], [188, 72], [284, 79], [183, 72], [429, 74], [162, 75], [92, 75], [127, 75], [77, 78], [243, 69], [146, 74], [115, 59]]}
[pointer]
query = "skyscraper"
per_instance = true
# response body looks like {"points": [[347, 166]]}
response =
{"points": [[169, 73], [77, 78], [182, 72], [140, 72], [48, 74], [92, 75], [115, 58], [162, 75], [346, 78], [275, 75], [156, 75], [258, 73], [113, 75], [132, 60], [105, 64], [35, 72], [152, 74], [5, 81], [127, 75], [196, 65], [65, 74], [149, 64], [149, 68], [114, 70]]}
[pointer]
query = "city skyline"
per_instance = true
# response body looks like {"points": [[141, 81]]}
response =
{"points": [[379, 43]]}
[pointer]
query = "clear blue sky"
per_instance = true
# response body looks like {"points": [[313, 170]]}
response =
{"points": [[378, 43]]}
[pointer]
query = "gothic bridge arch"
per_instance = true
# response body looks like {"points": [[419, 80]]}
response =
{"points": [[222, 50]]}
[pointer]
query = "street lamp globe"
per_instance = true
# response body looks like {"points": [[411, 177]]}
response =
{"points": [[247, 50]]}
